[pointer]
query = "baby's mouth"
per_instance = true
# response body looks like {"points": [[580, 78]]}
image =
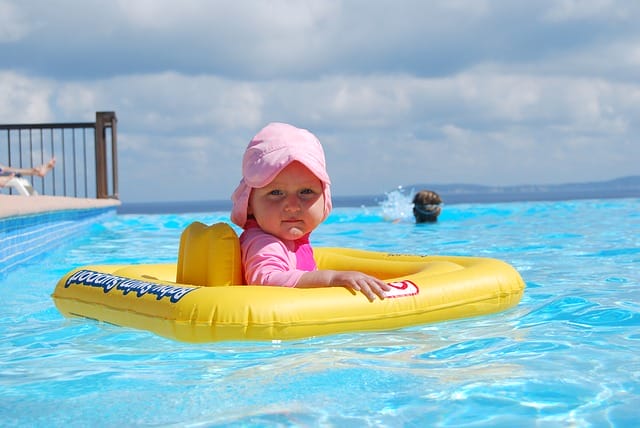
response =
{"points": [[292, 220]]}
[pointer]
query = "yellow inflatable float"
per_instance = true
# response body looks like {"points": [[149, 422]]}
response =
{"points": [[196, 300]]}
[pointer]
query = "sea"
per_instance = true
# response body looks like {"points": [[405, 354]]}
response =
{"points": [[458, 194]]}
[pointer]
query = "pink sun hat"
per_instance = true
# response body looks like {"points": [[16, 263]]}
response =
{"points": [[268, 153]]}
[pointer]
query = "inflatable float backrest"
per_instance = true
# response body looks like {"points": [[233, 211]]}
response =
{"points": [[209, 255]]}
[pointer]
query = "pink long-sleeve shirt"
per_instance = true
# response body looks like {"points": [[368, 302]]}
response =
{"points": [[268, 260]]}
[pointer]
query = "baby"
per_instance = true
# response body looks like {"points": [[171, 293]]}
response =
{"points": [[283, 196]]}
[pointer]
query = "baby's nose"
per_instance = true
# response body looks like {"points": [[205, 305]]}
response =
{"points": [[292, 203]]}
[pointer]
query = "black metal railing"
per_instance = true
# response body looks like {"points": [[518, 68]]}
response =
{"points": [[86, 155]]}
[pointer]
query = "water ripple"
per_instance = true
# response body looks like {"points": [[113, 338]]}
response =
{"points": [[567, 355]]}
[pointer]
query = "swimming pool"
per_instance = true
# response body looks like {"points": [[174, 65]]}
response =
{"points": [[568, 354]]}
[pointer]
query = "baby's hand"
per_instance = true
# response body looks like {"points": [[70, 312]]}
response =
{"points": [[367, 285]]}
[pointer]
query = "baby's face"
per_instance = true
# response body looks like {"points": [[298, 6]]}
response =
{"points": [[291, 206]]}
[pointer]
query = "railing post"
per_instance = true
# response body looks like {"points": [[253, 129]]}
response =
{"points": [[104, 120], [114, 156]]}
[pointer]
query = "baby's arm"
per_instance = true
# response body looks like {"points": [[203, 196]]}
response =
{"points": [[368, 285]]}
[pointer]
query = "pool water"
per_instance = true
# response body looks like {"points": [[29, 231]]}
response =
{"points": [[567, 355]]}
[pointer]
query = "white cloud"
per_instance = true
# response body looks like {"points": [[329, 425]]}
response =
{"points": [[76, 100], [487, 92], [24, 100], [569, 10], [14, 25]]}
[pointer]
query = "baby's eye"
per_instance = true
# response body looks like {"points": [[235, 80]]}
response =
{"points": [[307, 193], [275, 192]]}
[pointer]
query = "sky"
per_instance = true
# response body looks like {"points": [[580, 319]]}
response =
{"points": [[399, 92]]}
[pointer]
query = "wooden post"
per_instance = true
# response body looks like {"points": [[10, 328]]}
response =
{"points": [[104, 120], [114, 156]]}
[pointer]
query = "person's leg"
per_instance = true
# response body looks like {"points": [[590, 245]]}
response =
{"points": [[39, 171], [42, 170]]}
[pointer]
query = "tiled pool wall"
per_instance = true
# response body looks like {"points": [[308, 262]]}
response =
{"points": [[26, 237]]}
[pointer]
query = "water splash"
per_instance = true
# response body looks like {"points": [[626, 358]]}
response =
{"points": [[398, 205]]}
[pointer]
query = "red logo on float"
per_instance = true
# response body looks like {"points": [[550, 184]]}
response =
{"points": [[402, 289]]}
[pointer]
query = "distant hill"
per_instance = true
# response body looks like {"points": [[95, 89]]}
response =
{"points": [[625, 187], [458, 193]]}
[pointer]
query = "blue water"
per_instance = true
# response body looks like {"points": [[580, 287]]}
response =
{"points": [[567, 355]]}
